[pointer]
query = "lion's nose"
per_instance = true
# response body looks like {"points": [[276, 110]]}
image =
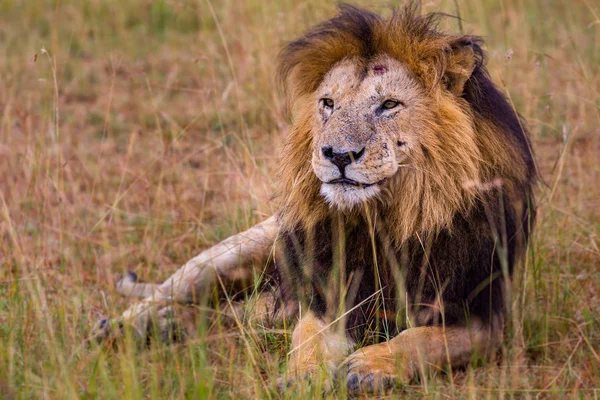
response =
{"points": [[341, 159]]}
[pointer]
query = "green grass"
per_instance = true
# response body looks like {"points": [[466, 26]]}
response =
{"points": [[146, 131]]}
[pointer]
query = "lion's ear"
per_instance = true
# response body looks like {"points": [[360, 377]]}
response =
{"points": [[461, 64]]}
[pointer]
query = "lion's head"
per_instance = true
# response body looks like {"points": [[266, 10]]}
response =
{"points": [[365, 128], [393, 116]]}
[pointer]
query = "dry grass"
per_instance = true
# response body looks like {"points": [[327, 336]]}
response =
{"points": [[148, 130]]}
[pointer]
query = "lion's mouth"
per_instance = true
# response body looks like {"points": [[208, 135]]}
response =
{"points": [[351, 182]]}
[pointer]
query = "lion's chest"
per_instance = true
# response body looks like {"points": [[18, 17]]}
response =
{"points": [[340, 268]]}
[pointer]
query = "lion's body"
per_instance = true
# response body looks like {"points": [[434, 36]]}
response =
{"points": [[404, 200], [451, 226], [457, 271]]}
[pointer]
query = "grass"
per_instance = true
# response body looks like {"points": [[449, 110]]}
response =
{"points": [[134, 134]]}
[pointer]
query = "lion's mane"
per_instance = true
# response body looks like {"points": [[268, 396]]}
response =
{"points": [[473, 141]]}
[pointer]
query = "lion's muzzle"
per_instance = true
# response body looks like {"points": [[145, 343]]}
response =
{"points": [[341, 159]]}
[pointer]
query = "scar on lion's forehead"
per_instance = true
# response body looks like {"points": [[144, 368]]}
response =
{"points": [[379, 69]]}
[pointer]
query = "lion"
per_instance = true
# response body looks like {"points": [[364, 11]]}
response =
{"points": [[404, 203]]}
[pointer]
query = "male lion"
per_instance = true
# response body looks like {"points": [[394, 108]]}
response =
{"points": [[404, 203]]}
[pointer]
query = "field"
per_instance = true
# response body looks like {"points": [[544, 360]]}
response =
{"points": [[134, 134]]}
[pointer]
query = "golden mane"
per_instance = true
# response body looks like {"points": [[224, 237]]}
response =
{"points": [[475, 138]]}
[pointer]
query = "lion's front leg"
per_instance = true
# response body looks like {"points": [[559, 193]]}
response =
{"points": [[225, 263], [317, 349], [377, 367]]}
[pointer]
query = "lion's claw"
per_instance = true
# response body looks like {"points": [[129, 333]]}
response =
{"points": [[102, 323]]}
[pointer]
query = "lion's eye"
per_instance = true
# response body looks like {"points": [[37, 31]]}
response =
{"points": [[327, 102], [389, 104]]}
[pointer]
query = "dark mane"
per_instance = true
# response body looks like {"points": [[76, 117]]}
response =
{"points": [[487, 101], [351, 22], [356, 32]]}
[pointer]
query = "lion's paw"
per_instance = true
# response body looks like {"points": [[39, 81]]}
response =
{"points": [[373, 369], [164, 323]]}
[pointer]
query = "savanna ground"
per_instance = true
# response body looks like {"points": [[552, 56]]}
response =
{"points": [[134, 134]]}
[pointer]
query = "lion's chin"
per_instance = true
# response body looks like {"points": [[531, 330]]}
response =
{"points": [[345, 196]]}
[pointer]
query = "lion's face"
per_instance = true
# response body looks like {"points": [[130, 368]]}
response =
{"points": [[365, 128]]}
